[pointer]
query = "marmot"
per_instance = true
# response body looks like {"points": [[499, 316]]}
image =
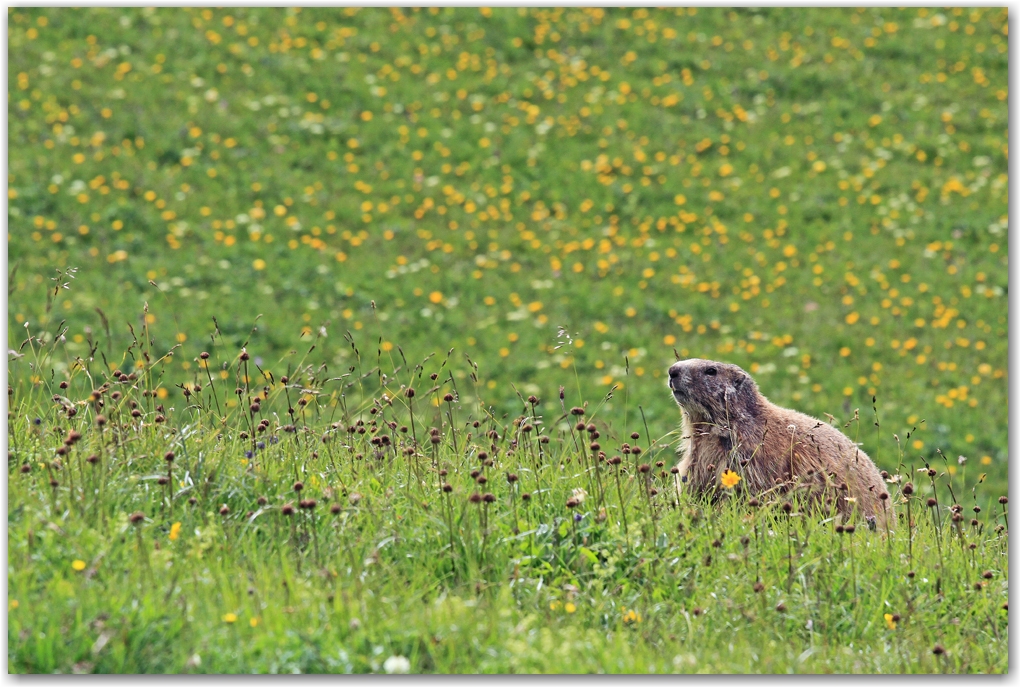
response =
{"points": [[729, 425]]}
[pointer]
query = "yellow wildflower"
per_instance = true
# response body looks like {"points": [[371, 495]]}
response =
{"points": [[230, 618], [175, 531], [78, 565], [890, 623], [730, 479]]}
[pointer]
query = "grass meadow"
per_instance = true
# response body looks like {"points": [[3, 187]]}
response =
{"points": [[338, 338]]}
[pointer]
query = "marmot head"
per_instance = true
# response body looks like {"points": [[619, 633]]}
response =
{"points": [[714, 392]]}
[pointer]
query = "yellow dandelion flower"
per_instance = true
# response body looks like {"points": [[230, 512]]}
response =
{"points": [[890, 623], [175, 531], [78, 565], [230, 618], [436, 297], [569, 607], [730, 479], [631, 616]]}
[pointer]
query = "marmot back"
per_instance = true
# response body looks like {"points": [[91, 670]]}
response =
{"points": [[729, 425]]}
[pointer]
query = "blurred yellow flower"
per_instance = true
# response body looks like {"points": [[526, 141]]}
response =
{"points": [[78, 565], [890, 623], [175, 531], [230, 618], [730, 479]]}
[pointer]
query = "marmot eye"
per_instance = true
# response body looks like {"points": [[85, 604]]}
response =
{"points": [[710, 371]]}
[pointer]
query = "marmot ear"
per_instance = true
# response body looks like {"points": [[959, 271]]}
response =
{"points": [[743, 390]]}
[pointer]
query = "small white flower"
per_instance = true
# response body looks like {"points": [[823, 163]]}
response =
{"points": [[397, 664]]}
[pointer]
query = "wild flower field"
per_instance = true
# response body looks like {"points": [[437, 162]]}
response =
{"points": [[239, 237]]}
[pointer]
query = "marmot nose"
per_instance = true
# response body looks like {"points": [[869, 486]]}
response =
{"points": [[674, 372]]}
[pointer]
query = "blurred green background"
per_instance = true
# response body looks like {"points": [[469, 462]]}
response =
{"points": [[567, 196]]}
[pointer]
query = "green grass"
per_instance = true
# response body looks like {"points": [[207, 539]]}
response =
{"points": [[467, 554], [520, 202]]}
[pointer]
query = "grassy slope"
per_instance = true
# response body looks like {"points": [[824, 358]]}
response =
{"points": [[487, 179], [386, 563], [332, 168]]}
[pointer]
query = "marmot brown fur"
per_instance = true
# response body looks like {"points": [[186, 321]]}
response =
{"points": [[728, 425]]}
